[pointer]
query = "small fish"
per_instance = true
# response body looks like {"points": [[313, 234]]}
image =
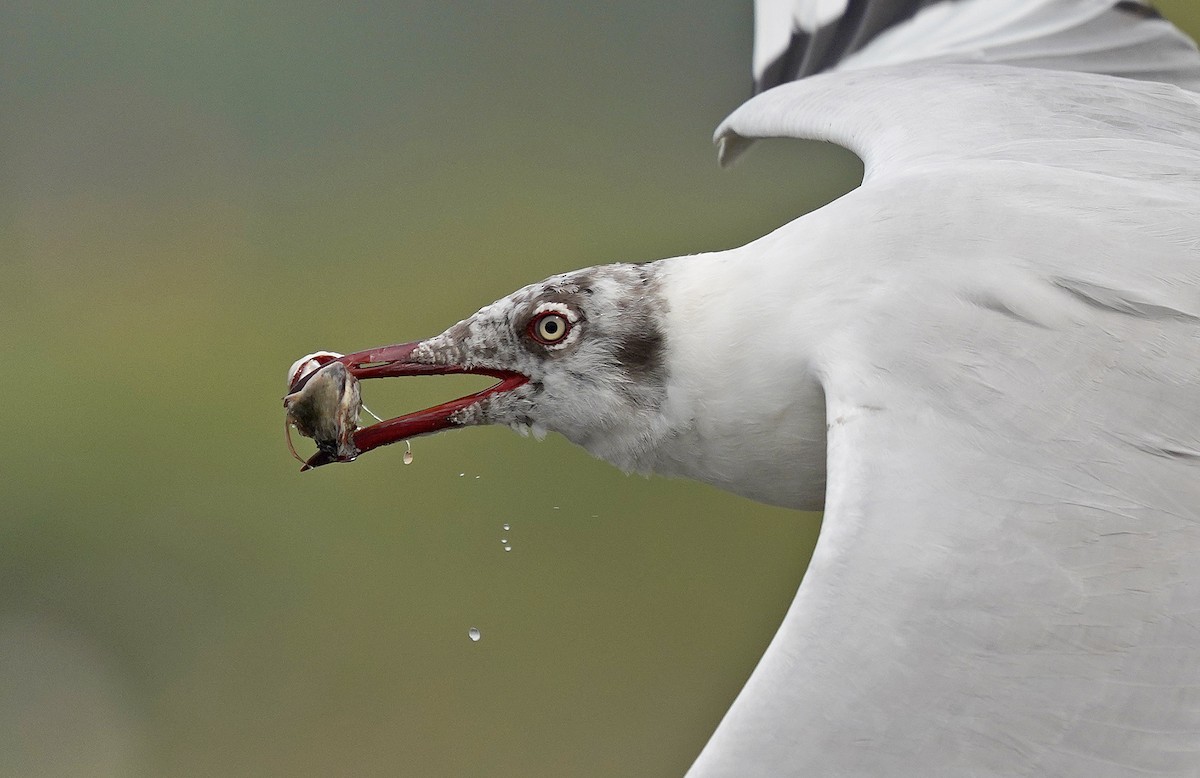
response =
{"points": [[324, 404]]}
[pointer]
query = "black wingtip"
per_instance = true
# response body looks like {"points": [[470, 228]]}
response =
{"points": [[1141, 10]]}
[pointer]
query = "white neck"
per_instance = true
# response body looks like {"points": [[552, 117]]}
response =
{"points": [[745, 409]]}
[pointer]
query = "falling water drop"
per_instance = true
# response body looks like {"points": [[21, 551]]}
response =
{"points": [[504, 541], [408, 457], [507, 528], [474, 634], [508, 548]]}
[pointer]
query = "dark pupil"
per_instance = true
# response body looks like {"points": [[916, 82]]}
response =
{"points": [[551, 327]]}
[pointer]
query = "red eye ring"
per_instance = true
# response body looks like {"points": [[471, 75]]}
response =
{"points": [[549, 327]]}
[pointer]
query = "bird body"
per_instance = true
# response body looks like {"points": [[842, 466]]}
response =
{"points": [[1009, 581], [983, 363]]}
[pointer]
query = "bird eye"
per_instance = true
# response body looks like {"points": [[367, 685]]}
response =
{"points": [[549, 328]]}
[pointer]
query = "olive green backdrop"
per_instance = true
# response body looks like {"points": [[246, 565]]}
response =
{"points": [[194, 194]]}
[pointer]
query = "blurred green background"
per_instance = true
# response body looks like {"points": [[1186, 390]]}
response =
{"points": [[193, 195]]}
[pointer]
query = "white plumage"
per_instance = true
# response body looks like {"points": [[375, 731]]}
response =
{"points": [[984, 363], [1008, 342]]}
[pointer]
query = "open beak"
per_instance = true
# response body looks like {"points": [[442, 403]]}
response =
{"points": [[393, 361]]}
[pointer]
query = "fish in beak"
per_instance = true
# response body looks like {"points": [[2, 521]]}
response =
{"points": [[324, 401]]}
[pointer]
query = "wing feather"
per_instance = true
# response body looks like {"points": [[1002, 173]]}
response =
{"points": [[1007, 580], [795, 39], [901, 117]]}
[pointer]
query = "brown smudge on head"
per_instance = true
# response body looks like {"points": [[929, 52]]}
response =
{"points": [[641, 352], [640, 346]]}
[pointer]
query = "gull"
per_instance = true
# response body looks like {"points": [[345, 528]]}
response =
{"points": [[983, 364]]}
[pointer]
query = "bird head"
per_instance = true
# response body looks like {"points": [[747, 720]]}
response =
{"points": [[579, 353]]}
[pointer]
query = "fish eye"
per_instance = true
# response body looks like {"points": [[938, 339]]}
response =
{"points": [[549, 328]]}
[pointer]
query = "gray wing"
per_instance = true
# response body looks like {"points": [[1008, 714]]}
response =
{"points": [[1007, 581], [799, 38]]}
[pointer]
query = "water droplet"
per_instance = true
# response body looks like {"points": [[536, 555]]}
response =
{"points": [[507, 528], [474, 634], [477, 478], [555, 507], [408, 457], [508, 548], [504, 540], [460, 475]]}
